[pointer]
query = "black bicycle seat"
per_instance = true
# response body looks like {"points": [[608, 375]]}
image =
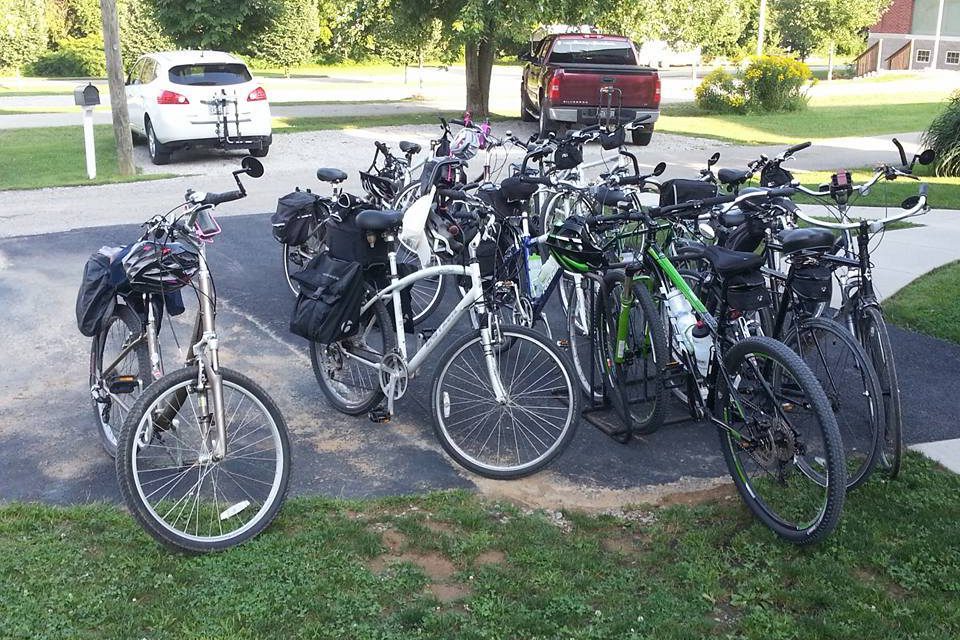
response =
{"points": [[327, 174], [409, 147], [732, 176], [794, 240], [379, 219], [726, 262]]}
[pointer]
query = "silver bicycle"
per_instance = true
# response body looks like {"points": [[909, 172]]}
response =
{"points": [[503, 400], [203, 457]]}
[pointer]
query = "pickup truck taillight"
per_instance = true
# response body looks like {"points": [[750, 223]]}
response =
{"points": [[257, 94], [171, 97], [656, 92], [553, 89]]}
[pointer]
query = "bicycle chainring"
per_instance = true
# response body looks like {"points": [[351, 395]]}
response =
{"points": [[393, 375]]}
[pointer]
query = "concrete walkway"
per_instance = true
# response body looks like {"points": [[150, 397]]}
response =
{"points": [[946, 452]]}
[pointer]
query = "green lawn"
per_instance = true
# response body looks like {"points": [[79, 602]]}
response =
{"points": [[450, 565], [827, 117], [944, 193], [322, 123], [930, 304], [54, 157]]}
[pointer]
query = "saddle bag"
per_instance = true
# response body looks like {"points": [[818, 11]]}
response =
{"points": [[346, 241], [331, 294], [813, 282], [746, 291], [97, 295], [684, 190], [296, 214]]}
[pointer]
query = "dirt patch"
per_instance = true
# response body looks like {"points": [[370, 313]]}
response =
{"points": [[441, 527], [393, 540], [492, 556], [894, 590], [549, 490], [435, 566], [618, 545], [447, 592]]}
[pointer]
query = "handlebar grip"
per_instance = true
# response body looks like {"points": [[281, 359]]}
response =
{"points": [[459, 122], [797, 147], [923, 189], [220, 198], [781, 192], [381, 146], [629, 180], [544, 180], [465, 215], [453, 194]]}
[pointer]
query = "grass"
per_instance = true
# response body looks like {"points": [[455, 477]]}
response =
{"points": [[450, 565], [826, 117], [309, 103], [54, 157], [323, 123], [51, 109], [944, 193], [930, 304]]}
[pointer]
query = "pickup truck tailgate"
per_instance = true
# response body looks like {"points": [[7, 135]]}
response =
{"points": [[580, 85]]}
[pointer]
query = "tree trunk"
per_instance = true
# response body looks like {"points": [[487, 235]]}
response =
{"points": [[830, 62], [118, 94], [479, 67]]}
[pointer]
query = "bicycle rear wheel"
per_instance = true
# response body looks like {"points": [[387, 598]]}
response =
{"points": [[783, 452], [853, 390], [875, 339], [519, 434], [113, 395], [176, 491]]}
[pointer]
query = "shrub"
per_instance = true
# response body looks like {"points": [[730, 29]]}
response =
{"points": [[776, 83], [943, 136], [290, 34], [76, 57], [23, 32], [720, 92]]}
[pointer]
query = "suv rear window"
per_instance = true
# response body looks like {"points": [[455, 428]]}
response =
{"points": [[592, 51], [209, 74]]}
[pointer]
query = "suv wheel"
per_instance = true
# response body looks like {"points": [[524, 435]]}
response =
{"points": [[158, 152], [259, 152]]}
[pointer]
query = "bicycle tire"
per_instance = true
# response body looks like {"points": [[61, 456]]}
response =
{"points": [[378, 319], [129, 318], [876, 341], [853, 431], [443, 407], [132, 489], [776, 353]]}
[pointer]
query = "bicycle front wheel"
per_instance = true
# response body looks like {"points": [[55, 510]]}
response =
{"points": [[783, 452], [522, 430], [853, 390], [176, 491], [876, 341]]}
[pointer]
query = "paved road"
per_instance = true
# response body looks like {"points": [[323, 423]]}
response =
{"points": [[49, 452]]}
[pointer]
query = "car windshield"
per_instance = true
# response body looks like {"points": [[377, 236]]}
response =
{"points": [[592, 51], [210, 75]]}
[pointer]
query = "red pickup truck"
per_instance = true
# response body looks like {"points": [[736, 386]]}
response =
{"points": [[565, 73]]}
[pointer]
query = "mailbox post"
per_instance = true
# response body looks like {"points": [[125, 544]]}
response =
{"points": [[87, 97]]}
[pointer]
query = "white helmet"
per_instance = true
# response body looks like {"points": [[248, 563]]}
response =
{"points": [[465, 144]]}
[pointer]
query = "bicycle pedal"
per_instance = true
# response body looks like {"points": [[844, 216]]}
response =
{"points": [[123, 384], [563, 344], [379, 416]]}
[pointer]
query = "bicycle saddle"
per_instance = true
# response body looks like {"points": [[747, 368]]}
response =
{"points": [[609, 197], [409, 147], [379, 219], [331, 175], [732, 176], [733, 218], [727, 262], [794, 240]]}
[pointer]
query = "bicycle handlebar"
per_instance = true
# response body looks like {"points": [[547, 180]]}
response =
{"points": [[797, 147], [219, 198], [873, 225]]}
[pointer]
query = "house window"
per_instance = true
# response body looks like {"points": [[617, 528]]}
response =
{"points": [[953, 57], [923, 55]]}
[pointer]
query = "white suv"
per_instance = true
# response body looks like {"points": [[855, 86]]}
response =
{"points": [[184, 99]]}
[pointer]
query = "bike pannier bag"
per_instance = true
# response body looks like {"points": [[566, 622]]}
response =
{"points": [[296, 213], [684, 190], [346, 241], [331, 294], [813, 282], [97, 295], [747, 291], [567, 156]]}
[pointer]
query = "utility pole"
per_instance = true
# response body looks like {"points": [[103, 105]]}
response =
{"points": [[118, 97], [760, 29]]}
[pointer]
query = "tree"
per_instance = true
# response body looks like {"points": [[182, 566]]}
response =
{"points": [[809, 25], [714, 26], [208, 24], [23, 32], [289, 35]]}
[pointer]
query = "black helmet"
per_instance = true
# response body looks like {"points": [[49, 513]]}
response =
{"points": [[155, 267], [574, 247]]}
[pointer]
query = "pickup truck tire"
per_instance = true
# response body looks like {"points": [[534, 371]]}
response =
{"points": [[641, 138], [547, 126], [526, 110]]}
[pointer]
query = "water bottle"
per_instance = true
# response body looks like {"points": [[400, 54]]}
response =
{"points": [[683, 319], [534, 267], [702, 346], [543, 277]]}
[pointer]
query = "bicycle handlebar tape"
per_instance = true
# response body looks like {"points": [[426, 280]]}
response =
{"points": [[798, 147], [220, 198]]}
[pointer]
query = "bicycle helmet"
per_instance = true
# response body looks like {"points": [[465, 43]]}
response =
{"points": [[574, 247], [153, 267], [465, 144]]}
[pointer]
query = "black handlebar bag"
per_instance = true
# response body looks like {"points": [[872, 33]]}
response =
{"points": [[331, 294], [685, 190]]}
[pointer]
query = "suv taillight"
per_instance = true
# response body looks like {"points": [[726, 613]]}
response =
{"points": [[257, 94], [169, 97], [553, 89], [656, 92]]}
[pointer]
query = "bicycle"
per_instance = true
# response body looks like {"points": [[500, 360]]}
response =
{"points": [[203, 458], [778, 435], [503, 401]]}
